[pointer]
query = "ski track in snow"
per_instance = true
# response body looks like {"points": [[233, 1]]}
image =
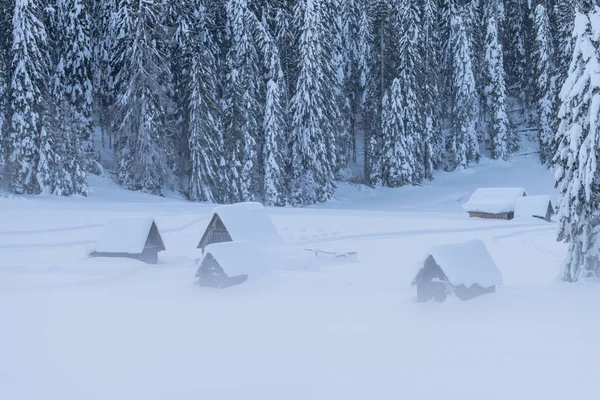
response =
{"points": [[389, 235]]}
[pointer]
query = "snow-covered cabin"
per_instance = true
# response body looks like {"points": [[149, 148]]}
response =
{"points": [[494, 203], [534, 206], [130, 237], [465, 269], [230, 263], [242, 221]]}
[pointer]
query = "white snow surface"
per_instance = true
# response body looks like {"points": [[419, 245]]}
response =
{"points": [[532, 206], [239, 258], [467, 263], [248, 221], [125, 235], [493, 200], [74, 327]]}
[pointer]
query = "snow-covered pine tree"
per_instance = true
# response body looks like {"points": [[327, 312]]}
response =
{"points": [[498, 124], [73, 94], [545, 82], [365, 105], [461, 144], [430, 89], [397, 157], [28, 143], [241, 104], [515, 46], [313, 137], [341, 60], [103, 41], [205, 140], [274, 188], [409, 86], [577, 169], [142, 84], [6, 10], [564, 18]]}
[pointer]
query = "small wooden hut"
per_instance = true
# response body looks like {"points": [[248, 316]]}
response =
{"points": [[494, 203], [239, 222], [131, 237], [466, 270], [230, 263], [534, 206]]}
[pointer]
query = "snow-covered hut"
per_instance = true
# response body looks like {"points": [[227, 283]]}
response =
{"points": [[534, 206], [230, 263], [130, 237], [494, 203], [465, 269], [242, 221]]}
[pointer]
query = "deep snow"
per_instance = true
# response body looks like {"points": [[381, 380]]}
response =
{"points": [[75, 328]]}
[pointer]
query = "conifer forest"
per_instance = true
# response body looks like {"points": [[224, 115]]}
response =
{"points": [[277, 100]]}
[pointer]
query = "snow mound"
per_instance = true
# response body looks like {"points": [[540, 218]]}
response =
{"points": [[249, 221], [532, 206], [125, 235], [467, 264], [238, 258], [494, 200]]}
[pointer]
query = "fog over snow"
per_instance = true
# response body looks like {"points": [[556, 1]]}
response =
{"points": [[74, 327]]}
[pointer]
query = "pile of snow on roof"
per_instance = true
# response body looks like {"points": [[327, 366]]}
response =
{"points": [[249, 221], [532, 206], [467, 264], [125, 235], [493, 200]]}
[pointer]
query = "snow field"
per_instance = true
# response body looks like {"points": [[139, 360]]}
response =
{"points": [[78, 328]]}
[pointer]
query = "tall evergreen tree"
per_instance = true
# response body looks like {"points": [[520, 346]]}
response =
{"points": [[498, 125], [6, 9], [545, 83], [313, 137], [461, 144], [142, 107], [429, 78], [409, 86], [577, 169], [28, 142], [205, 140], [397, 158], [241, 103]]}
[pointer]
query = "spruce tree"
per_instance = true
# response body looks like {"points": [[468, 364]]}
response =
{"points": [[397, 158], [409, 87], [313, 136], [142, 85], [274, 188], [461, 144], [430, 88], [498, 124], [26, 138], [241, 104], [577, 170], [202, 121], [545, 83]]}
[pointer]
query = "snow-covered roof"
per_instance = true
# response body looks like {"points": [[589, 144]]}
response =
{"points": [[238, 258], [248, 221], [493, 200], [467, 263], [125, 235], [532, 206]]}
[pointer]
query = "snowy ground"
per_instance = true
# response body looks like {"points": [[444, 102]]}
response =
{"points": [[78, 328]]}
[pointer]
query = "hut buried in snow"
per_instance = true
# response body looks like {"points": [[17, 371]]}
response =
{"points": [[494, 203], [137, 238], [466, 270], [534, 206], [230, 263], [242, 221]]}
